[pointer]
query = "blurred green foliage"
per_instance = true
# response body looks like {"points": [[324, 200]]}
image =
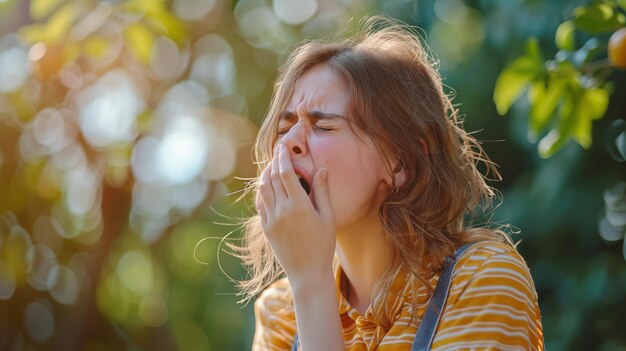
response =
{"points": [[123, 125], [566, 94]]}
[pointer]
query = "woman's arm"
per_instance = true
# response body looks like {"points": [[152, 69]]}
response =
{"points": [[317, 313], [302, 237]]}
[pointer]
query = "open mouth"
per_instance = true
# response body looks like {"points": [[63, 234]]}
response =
{"points": [[305, 185]]}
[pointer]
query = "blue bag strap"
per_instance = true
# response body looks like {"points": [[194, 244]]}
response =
{"points": [[426, 331], [294, 347]]}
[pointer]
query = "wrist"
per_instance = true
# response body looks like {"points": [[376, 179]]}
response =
{"points": [[310, 284]]}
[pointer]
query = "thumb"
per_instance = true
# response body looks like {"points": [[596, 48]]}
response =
{"points": [[322, 194]]}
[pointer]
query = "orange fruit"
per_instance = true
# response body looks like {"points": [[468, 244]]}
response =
{"points": [[617, 48]]}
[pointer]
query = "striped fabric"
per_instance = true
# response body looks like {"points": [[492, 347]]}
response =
{"points": [[492, 305]]}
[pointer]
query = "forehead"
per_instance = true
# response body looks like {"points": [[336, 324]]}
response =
{"points": [[322, 89]]}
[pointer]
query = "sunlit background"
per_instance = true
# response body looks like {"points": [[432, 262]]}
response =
{"points": [[126, 129]]}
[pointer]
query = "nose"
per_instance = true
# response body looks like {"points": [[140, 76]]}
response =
{"points": [[295, 140]]}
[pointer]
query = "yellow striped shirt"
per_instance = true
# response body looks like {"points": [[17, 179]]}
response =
{"points": [[492, 305]]}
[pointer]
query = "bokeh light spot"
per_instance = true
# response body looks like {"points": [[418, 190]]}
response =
{"points": [[184, 98], [190, 195], [217, 71], [44, 233], [259, 24], [113, 299], [189, 336], [50, 131], [135, 272], [17, 251], [221, 160], [182, 153], [38, 321], [63, 285], [450, 11], [152, 199], [295, 12], [109, 108], [193, 10], [82, 184], [166, 58], [44, 260], [153, 311], [142, 160], [150, 226], [13, 69], [7, 281]]}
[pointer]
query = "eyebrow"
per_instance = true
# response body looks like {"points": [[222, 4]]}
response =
{"points": [[316, 115]]}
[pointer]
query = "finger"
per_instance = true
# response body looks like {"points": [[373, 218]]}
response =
{"points": [[322, 193], [260, 208], [288, 175], [277, 182], [265, 189]]}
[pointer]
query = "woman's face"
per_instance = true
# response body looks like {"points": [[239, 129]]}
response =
{"points": [[315, 128]]}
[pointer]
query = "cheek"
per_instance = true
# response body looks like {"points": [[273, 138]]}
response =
{"points": [[324, 155], [350, 163]]}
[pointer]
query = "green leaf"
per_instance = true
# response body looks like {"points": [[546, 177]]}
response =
{"points": [[564, 38], [543, 101], [591, 105], [512, 81], [582, 131], [550, 143], [594, 102], [598, 18], [40, 9], [563, 130], [622, 4], [533, 51], [577, 115]]}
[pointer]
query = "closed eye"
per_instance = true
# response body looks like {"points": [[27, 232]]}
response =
{"points": [[322, 129]]}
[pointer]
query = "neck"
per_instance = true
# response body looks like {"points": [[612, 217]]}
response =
{"points": [[364, 257]]}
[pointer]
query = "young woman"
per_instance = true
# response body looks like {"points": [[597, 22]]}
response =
{"points": [[366, 176]]}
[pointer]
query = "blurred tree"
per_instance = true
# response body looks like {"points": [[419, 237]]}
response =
{"points": [[123, 122], [121, 126], [567, 93], [564, 98]]}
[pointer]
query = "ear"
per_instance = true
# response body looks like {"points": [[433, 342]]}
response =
{"points": [[424, 145], [400, 176]]}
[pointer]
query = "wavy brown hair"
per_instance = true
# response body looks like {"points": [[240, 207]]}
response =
{"points": [[396, 98]]}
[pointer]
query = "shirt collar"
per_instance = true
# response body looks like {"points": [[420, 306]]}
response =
{"points": [[399, 293]]}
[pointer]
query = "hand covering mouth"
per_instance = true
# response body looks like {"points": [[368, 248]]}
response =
{"points": [[305, 185]]}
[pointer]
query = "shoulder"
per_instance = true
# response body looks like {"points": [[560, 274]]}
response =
{"points": [[493, 263], [275, 325], [486, 254], [492, 301]]}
